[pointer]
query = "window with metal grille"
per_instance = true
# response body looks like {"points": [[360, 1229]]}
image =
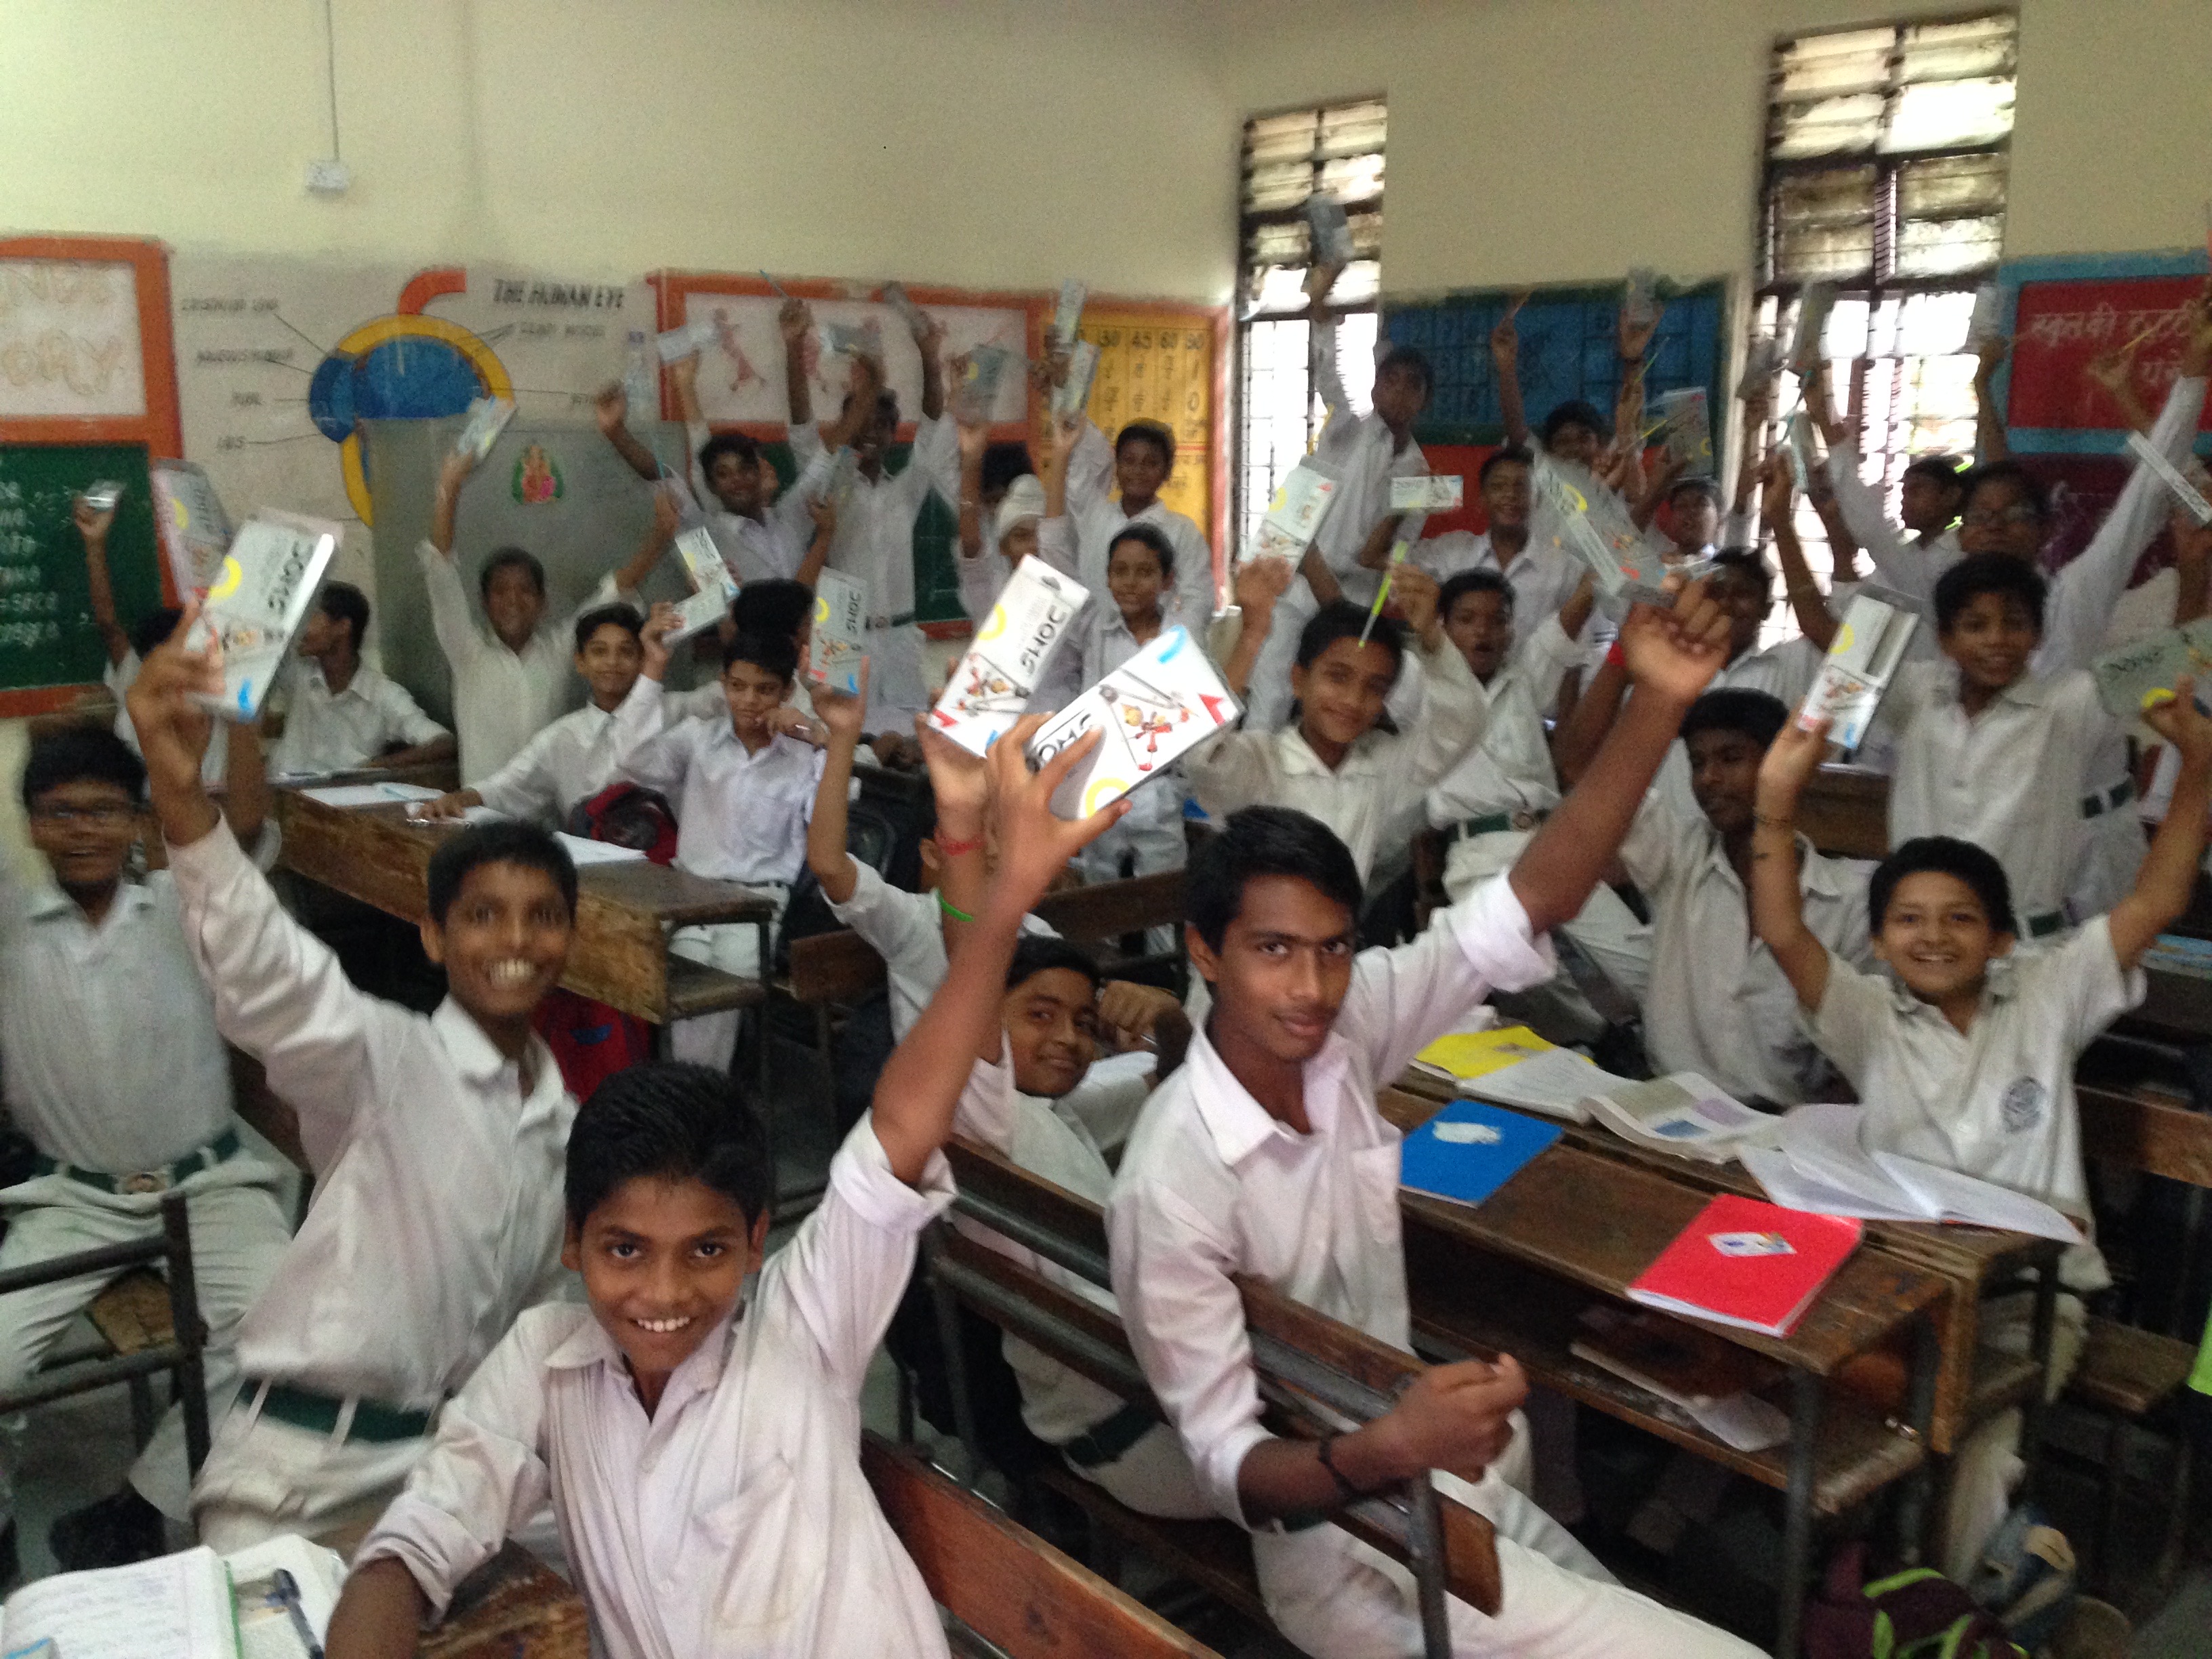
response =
{"points": [[1333, 150], [1887, 154]]}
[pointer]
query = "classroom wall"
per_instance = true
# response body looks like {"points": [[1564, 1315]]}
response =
{"points": [[977, 143], [1566, 140]]}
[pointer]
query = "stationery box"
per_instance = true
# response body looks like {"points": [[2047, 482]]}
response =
{"points": [[1331, 231], [1429, 492], [1817, 300], [854, 339], [1870, 642], [978, 373], [257, 602], [1004, 665], [675, 344], [488, 418], [1068, 316], [1686, 430], [712, 587], [195, 530], [1073, 396], [2128, 677], [1571, 509], [1294, 516], [838, 644], [1155, 706], [1747, 1263]]}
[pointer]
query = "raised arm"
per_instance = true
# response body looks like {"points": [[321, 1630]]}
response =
{"points": [[452, 473], [929, 341], [1326, 590], [1382, 537], [2167, 879], [1988, 416], [94, 525], [843, 716], [1455, 709], [2192, 568], [796, 323], [1260, 583], [822, 520], [1807, 604], [610, 409], [1574, 740], [2115, 371], [660, 536], [1777, 906], [1671, 656], [246, 783], [975, 438], [1328, 381], [1505, 365], [920, 1086]]}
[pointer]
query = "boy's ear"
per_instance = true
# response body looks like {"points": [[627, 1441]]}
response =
{"points": [[2002, 943], [1203, 956], [572, 1248], [434, 941]]}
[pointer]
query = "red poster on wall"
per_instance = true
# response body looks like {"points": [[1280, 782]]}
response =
{"points": [[2059, 327]]}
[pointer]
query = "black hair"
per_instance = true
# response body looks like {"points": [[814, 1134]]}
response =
{"points": [[1473, 581], [1265, 840], [1758, 715], [1003, 463], [772, 654], [617, 614], [502, 558], [1148, 432], [1573, 412], [1706, 487], [1749, 561], [727, 443], [773, 605], [887, 404], [1945, 470], [1340, 619], [668, 1121], [153, 629], [81, 753], [1507, 455], [1988, 573], [2032, 488], [1948, 856], [501, 841], [1146, 535], [1413, 361], [343, 602], [1040, 953]]}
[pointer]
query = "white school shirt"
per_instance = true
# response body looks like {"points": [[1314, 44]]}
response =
{"points": [[755, 549], [107, 1033], [1911, 565], [437, 1213], [1103, 644], [1097, 518], [907, 930], [1213, 1186], [1511, 770], [1047, 1138], [2010, 780], [327, 731], [735, 1519], [1543, 579], [501, 698], [1785, 671], [1382, 780], [739, 817], [1363, 455], [874, 543], [1719, 1004], [570, 761], [120, 678], [1996, 1100]]}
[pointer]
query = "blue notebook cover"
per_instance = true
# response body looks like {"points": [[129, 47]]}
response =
{"points": [[1469, 1150]]}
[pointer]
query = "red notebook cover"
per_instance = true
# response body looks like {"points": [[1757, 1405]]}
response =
{"points": [[1748, 1263]]}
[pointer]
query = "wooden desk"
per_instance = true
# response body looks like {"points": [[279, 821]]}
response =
{"points": [[624, 912], [1844, 812], [513, 1607], [1573, 1227]]}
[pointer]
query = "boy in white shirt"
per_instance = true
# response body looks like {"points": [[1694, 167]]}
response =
{"points": [[699, 1444], [117, 1076], [1265, 1155], [1489, 805], [1693, 517], [1140, 464], [436, 1141], [508, 683], [1333, 762], [1965, 1055], [339, 713], [874, 540], [573, 758], [743, 784], [1363, 454], [1543, 579]]}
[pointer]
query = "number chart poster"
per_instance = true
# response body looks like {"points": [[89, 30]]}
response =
{"points": [[280, 361], [1160, 367]]}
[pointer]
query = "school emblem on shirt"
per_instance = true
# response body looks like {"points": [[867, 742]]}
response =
{"points": [[536, 476], [2020, 1106]]}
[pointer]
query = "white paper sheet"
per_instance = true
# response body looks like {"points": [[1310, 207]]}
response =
{"points": [[369, 795], [1556, 1082], [583, 852]]}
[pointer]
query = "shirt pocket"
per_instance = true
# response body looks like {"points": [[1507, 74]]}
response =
{"points": [[771, 1555]]}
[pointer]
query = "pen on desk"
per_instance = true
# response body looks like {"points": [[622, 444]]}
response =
{"points": [[288, 1592]]}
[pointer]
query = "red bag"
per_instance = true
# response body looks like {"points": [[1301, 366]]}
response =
{"points": [[590, 1040]]}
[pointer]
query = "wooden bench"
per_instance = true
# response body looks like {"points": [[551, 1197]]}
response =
{"points": [[1004, 1583], [1302, 1358]]}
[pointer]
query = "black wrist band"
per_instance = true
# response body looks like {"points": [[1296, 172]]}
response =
{"points": [[1350, 1493]]}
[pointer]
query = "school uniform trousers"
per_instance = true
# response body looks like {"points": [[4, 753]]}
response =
{"points": [[118, 1077], [436, 1215], [739, 817], [1213, 1186]]}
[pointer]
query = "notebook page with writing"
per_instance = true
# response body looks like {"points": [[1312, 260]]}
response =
{"points": [[173, 1607]]}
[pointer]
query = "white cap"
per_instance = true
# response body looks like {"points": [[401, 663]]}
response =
{"points": [[1025, 500]]}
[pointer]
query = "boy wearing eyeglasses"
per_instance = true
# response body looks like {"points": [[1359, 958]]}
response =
{"points": [[118, 1077]]}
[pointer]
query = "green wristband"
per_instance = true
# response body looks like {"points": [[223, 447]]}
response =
{"points": [[951, 909]]}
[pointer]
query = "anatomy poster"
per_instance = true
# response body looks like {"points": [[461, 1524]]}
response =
{"points": [[279, 360]]}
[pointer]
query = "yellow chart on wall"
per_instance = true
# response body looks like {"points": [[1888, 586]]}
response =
{"points": [[1158, 366]]}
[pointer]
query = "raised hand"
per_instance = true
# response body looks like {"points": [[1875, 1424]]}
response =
{"points": [[667, 516], [2196, 342], [683, 375], [174, 730], [454, 473], [1791, 759], [1259, 584], [1505, 338], [795, 321], [1676, 652], [610, 409], [2183, 723], [928, 332], [1634, 337], [92, 522], [973, 433], [1778, 484], [653, 638], [1415, 591], [958, 778], [824, 511], [1035, 843], [843, 714]]}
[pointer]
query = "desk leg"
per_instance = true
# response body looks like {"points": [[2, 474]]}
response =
{"points": [[1806, 1391], [1425, 1541], [1912, 1510], [2039, 1349], [661, 1048], [956, 1368]]}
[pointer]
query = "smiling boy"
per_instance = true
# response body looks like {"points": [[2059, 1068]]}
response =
{"points": [[436, 1141], [1966, 1057], [699, 1445], [339, 713]]}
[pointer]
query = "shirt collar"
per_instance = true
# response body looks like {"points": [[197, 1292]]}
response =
{"points": [[589, 1345], [47, 900], [1239, 1125], [2030, 691], [1298, 759], [2000, 983], [473, 1053]]}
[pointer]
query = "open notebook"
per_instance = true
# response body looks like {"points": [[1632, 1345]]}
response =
{"points": [[192, 1605]]}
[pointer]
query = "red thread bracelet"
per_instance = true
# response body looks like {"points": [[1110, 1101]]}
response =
{"points": [[953, 849], [1616, 658]]}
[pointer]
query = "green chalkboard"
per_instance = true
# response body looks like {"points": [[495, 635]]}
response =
{"points": [[46, 635]]}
